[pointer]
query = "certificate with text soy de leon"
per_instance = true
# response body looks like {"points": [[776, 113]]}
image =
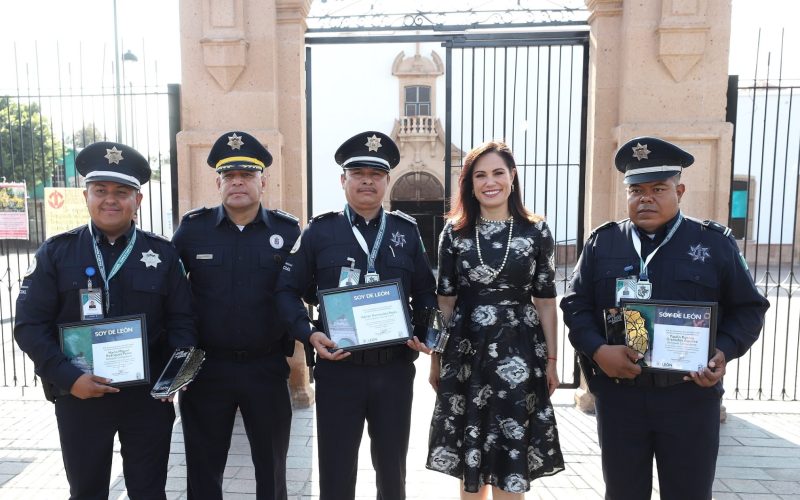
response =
{"points": [[365, 316], [114, 348], [672, 336]]}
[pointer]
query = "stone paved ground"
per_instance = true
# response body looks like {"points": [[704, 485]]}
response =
{"points": [[759, 454]]}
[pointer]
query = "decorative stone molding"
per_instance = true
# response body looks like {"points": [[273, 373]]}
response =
{"points": [[417, 65], [603, 8], [682, 35], [223, 43], [224, 60], [292, 11]]}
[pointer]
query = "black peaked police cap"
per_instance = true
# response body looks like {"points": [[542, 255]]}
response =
{"points": [[648, 159], [368, 149], [114, 162], [238, 151]]}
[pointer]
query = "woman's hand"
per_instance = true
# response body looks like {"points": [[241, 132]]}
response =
{"points": [[433, 377], [551, 373]]}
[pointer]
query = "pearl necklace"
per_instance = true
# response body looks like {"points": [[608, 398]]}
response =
{"points": [[495, 272]]}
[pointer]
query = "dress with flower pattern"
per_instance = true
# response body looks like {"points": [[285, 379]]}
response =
{"points": [[493, 422]]}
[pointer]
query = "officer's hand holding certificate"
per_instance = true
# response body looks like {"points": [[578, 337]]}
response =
{"points": [[326, 348]]}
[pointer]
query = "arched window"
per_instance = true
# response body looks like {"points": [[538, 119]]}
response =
{"points": [[417, 186], [418, 100]]}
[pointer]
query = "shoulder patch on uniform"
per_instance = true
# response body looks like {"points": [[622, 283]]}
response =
{"points": [[405, 216], [285, 215], [156, 236], [716, 226], [195, 212], [324, 216]]}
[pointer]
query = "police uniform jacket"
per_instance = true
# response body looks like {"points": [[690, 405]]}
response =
{"points": [[701, 262], [233, 275], [49, 296], [323, 250]]}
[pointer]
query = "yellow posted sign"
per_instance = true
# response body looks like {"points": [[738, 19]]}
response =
{"points": [[64, 209]]}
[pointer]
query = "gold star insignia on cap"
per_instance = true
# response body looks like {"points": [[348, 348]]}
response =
{"points": [[114, 155], [640, 152], [235, 141], [373, 143]]}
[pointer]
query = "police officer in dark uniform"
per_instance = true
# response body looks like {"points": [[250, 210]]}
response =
{"points": [[663, 255], [234, 253], [360, 244], [136, 272]]}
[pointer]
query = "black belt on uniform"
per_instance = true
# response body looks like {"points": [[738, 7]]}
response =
{"points": [[242, 354], [376, 357], [653, 380]]}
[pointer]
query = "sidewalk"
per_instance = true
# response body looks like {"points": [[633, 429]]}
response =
{"points": [[759, 454]]}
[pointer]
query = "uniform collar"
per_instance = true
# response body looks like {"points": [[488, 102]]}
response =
{"points": [[261, 216], [355, 218], [660, 232], [100, 236]]}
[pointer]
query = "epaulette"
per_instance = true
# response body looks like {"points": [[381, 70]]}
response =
{"points": [[323, 216], [73, 231], [191, 214], [716, 226], [606, 225], [405, 216], [155, 236], [285, 215]]}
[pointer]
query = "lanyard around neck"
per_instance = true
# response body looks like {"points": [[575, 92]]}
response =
{"points": [[117, 265], [637, 245], [371, 255]]}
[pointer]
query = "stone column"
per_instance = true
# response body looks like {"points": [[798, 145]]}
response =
{"points": [[658, 69], [243, 69], [660, 72]]}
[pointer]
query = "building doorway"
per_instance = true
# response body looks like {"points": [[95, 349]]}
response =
{"points": [[421, 195]]}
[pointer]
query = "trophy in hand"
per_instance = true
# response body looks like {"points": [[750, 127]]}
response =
{"points": [[436, 334]]}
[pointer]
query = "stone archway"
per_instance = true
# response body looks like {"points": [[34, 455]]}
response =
{"points": [[421, 195]]}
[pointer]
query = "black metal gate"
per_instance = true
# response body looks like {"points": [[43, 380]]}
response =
{"points": [[528, 89], [54, 111], [764, 203]]}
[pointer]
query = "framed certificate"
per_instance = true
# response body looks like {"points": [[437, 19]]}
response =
{"points": [[365, 316], [673, 336], [115, 348]]}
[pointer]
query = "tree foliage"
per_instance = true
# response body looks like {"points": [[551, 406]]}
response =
{"points": [[85, 136], [28, 150]]}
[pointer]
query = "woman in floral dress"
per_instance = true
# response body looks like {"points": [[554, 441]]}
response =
{"points": [[493, 425]]}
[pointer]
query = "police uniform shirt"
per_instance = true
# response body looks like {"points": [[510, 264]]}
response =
{"points": [[233, 274], [323, 250], [700, 263], [151, 281]]}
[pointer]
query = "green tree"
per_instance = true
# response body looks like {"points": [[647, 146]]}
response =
{"points": [[28, 150], [85, 136]]}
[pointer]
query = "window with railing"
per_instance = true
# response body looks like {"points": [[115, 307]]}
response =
{"points": [[418, 100]]}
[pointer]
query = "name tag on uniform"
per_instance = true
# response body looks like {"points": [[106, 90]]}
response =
{"points": [[626, 289], [204, 256]]}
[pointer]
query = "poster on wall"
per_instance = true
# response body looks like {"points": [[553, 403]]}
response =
{"points": [[13, 211], [64, 209]]}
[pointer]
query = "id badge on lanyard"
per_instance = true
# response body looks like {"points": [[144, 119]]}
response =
{"points": [[644, 288]]}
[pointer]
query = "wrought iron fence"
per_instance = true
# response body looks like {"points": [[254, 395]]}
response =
{"points": [[529, 91], [763, 215], [54, 106]]}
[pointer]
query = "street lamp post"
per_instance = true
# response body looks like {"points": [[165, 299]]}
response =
{"points": [[117, 87]]}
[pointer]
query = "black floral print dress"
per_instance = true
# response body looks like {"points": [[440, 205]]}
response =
{"points": [[493, 422]]}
